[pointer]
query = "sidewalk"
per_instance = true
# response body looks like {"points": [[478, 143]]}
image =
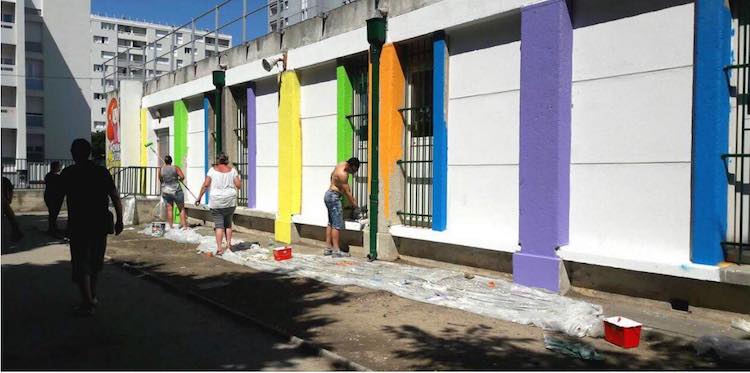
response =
{"points": [[385, 332], [138, 326]]}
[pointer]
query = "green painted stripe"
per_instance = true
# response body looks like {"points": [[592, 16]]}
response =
{"points": [[344, 131], [180, 141]]}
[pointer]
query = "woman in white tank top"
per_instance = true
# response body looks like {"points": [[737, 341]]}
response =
{"points": [[223, 181]]}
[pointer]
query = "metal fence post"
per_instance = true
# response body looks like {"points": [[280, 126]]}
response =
{"points": [[216, 30], [192, 42], [244, 21], [143, 64], [171, 51]]}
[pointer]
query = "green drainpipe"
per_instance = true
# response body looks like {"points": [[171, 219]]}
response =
{"points": [[376, 38], [218, 77]]}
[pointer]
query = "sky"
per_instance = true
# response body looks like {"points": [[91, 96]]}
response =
{"points": [[178, 12]]}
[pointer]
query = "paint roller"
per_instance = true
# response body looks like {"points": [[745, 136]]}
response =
{"points": [[161, 162]]}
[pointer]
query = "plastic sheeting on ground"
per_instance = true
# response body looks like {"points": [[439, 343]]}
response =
{"points": [[727, 348], [128, 210], [497, 298]]}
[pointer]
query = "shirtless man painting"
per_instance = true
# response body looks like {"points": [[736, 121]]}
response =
{"points": [[339, 186]]}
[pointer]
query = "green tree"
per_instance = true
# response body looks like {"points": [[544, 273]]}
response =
{"points": [[97, 145]]}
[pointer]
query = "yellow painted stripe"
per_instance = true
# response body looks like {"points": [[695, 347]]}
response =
{"points": [[144, 138], [290, 156]]}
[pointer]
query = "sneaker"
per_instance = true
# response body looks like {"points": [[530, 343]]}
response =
{"points": [[341, 254], [328, 251], [84, 311]]}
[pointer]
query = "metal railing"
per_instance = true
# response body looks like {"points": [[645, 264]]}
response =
{"points": [[138, 181], [737, 161], [140, 70], [29, 174]]}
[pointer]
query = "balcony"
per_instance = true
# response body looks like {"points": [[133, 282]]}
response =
{"points": [[8, 34], [8, 117]]}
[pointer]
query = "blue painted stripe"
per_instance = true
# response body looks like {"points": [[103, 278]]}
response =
{"points": [[206, 117], [440, 135], [710, 128]]}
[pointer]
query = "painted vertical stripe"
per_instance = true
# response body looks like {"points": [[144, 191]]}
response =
{"points": [[180, 141], [344, 131], [440, 133], [546, 73], [290, 156], [252, 146], [711, 108], [391, 123], [206, 126], [144, 138]]}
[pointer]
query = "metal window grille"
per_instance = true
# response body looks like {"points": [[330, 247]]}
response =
{"points": [[358, 72], [737, 161], [241, 161], [418, 141]]}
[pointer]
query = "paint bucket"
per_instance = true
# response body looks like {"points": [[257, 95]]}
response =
{"points": [[282, 253], [158, 229], [622, 331]]}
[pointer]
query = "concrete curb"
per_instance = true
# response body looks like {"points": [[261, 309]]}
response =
{"points": [[242, 317]]}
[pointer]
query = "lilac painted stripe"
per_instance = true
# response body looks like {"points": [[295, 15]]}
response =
{"points": [[546, 73], [251, 146]]}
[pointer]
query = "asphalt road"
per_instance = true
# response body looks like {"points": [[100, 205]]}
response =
{"points": [[139, 325]]}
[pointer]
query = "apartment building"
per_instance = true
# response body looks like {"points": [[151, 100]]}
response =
{"points": [[283, 13], [136, 42], [45, 77]]}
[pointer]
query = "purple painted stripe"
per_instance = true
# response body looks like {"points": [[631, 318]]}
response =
{"points": [[251, 146], [546, 73]]}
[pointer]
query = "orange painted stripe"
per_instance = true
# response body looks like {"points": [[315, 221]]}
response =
{"points": [[391, 122]]}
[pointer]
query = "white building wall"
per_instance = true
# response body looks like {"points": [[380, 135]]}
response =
{"points": [[195, 172], [483, 129], [267, 132], [631, 141], [318, 114], [67, 114]]}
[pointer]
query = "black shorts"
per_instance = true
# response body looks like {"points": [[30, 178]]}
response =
{"points": [[87, 255]]}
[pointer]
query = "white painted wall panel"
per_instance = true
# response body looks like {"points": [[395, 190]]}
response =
{"points": [[484, 129], [267, 187], [649, 41], [485, 58], [194, 177], [268, 108], [483, 204], [633, 212], [319, 141], [318, 91], [633, 118], [268, 144], [315, 182]]}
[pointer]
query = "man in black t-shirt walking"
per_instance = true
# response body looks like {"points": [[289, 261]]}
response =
{"points": [[87, 190]]}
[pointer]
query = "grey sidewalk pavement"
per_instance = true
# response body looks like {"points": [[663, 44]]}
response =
{"points": [[385, 332], [139, 325]]}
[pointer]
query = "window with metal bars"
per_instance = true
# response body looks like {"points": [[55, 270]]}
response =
{"points": [[737, 161], [416, 164], [357, 70], [241, 135]]}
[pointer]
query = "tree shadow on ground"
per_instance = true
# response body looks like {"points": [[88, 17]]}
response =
{"points": [[144, 335], [34, 228], [137, 326], [485, 348]]}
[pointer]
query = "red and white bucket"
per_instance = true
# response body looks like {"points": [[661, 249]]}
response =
{"points": [[622, 331], [282, 253]]}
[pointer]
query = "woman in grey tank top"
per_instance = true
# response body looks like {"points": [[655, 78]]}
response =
{"points": [[170, 177]]}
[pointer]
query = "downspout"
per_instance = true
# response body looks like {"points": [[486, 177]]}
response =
{"points": [[376, 38], [218, 80]]}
